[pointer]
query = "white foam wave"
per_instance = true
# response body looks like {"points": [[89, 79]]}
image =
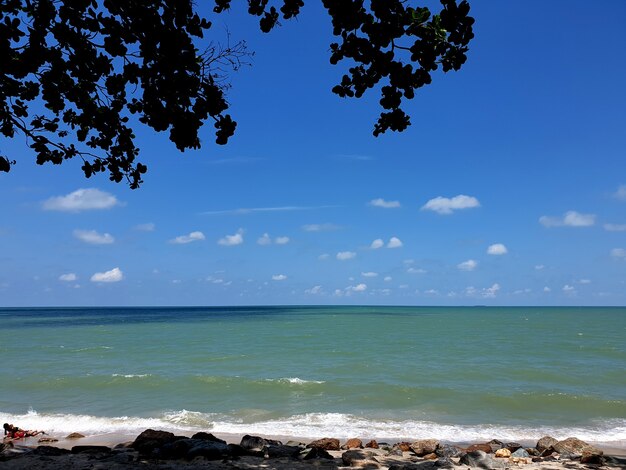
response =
{"points": [[611, 433], [296, 381], [131, 376]]}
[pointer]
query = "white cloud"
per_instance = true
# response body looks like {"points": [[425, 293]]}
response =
{"points": [[497, 249], [320, 227], [388, 279], [584, 281], [444, 205], [468, 265], [114, 275], [619, 253], [232, 240], [569, 289], [358, 288], [539, 267], [264, 240], [376, 244], [192, 237], [323, 256], [615, 227], [81, 200], [279, 277], [569, 219], [94, 238], [394, 242], [369, 274], [620, 193], [384, 204], [345, 255], [431, 292], [490, 292], [413, 270], [281, 240], [69, 277], [547, 289], [315, 290], [149, 227]]}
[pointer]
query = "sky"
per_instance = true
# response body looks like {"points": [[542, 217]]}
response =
{"points": [[509, 188]]}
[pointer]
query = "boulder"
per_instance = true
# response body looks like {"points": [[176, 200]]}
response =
{"points": [[545, 443], [447, 450], [257, 443], [149, 440], [209, 450], [533, 452], [503, 453], [591, 456], [403, 446], [572, 448], [353, 457], [74, 435], [207, 436], [495, 444], [372, 444], [431, 456], [91, 450], [47, 439], [353, 443], [50, 451], [424, 446], [444, 462], [314, 453], [481, 459], [482, 447], [512, 446], [327, 443], [275, 452], [520, 453]]}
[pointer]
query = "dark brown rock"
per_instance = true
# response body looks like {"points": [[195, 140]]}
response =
{"points": [[50, 451], [315, 453], [512, 446], [424, 446], [353, 457], [74, 435], [91, 450], [545, 443], [257, 443], [327, 443], [403, 446], [495, 444], [372, 444], [149, 440], [592, 457], [207, 436], [483, 447], [431, 456], [275, 452], [353, 443]]}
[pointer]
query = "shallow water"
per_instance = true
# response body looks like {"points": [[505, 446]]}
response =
{"points": [[454, 373]]}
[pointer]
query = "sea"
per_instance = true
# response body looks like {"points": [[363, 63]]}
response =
{"points": [[390, 373]]}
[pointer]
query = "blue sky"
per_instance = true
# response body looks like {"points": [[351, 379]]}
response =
{"points": [[508, 189]]}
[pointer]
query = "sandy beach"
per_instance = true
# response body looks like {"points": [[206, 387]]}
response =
{"points": [[163, 450]]}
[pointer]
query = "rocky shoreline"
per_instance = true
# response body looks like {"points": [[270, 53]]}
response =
{"points": [[164, 450]]}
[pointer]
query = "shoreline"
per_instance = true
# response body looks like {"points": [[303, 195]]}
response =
{"points": [[154, 449], [115, 438]]}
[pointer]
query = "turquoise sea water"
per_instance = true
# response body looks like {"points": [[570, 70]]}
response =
{"points": [[383, 372]]}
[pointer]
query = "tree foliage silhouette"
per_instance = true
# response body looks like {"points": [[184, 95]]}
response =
{"points": [[76, 75]]}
